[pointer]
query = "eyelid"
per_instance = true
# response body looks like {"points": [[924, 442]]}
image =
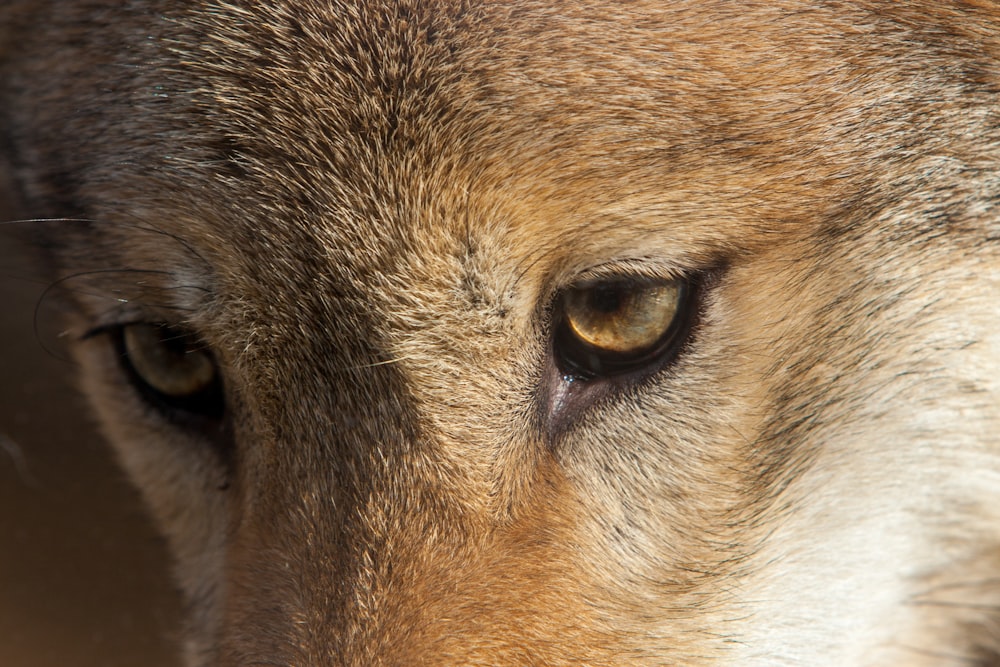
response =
{"points": [[638, 269], [128, 313], [101, 330], [106, 328]]}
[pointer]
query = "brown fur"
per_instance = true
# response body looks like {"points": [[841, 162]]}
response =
{"points": [[365, 210]]}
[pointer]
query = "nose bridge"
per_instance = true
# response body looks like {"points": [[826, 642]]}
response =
{"points": [[416, 578], [331, 495], [366, 553], [365, 534]]}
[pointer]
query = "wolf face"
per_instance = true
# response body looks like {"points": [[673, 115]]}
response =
{"points": [[458, 333]]}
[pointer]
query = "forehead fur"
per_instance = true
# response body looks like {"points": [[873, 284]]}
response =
{"points": [[380, 134], [371, 127]]}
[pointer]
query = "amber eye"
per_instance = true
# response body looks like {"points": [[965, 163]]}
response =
{"points": [[617, 326], [171, 368]]}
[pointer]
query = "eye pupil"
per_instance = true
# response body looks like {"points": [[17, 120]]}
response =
{"points": [[606, 299], [618, 326]]}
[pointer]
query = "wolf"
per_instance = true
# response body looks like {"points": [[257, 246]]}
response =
{"points": [[459, 332]]}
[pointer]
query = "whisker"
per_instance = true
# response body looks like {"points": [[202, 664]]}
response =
{"points": [[951, 604], [976, 584], [16, 455], [23, 221], [124, 225], [386, 362]]}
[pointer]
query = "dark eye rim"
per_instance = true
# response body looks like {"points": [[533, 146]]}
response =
{"points": [[206, 406], [578, 360]]}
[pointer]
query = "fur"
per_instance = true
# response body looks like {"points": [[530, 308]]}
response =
{"points": [[365, 209]]}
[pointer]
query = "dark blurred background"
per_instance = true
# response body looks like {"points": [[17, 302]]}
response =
{"points": [[83, 576]]}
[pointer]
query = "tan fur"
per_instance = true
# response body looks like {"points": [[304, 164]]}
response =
{"points": [[365, 209]]}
